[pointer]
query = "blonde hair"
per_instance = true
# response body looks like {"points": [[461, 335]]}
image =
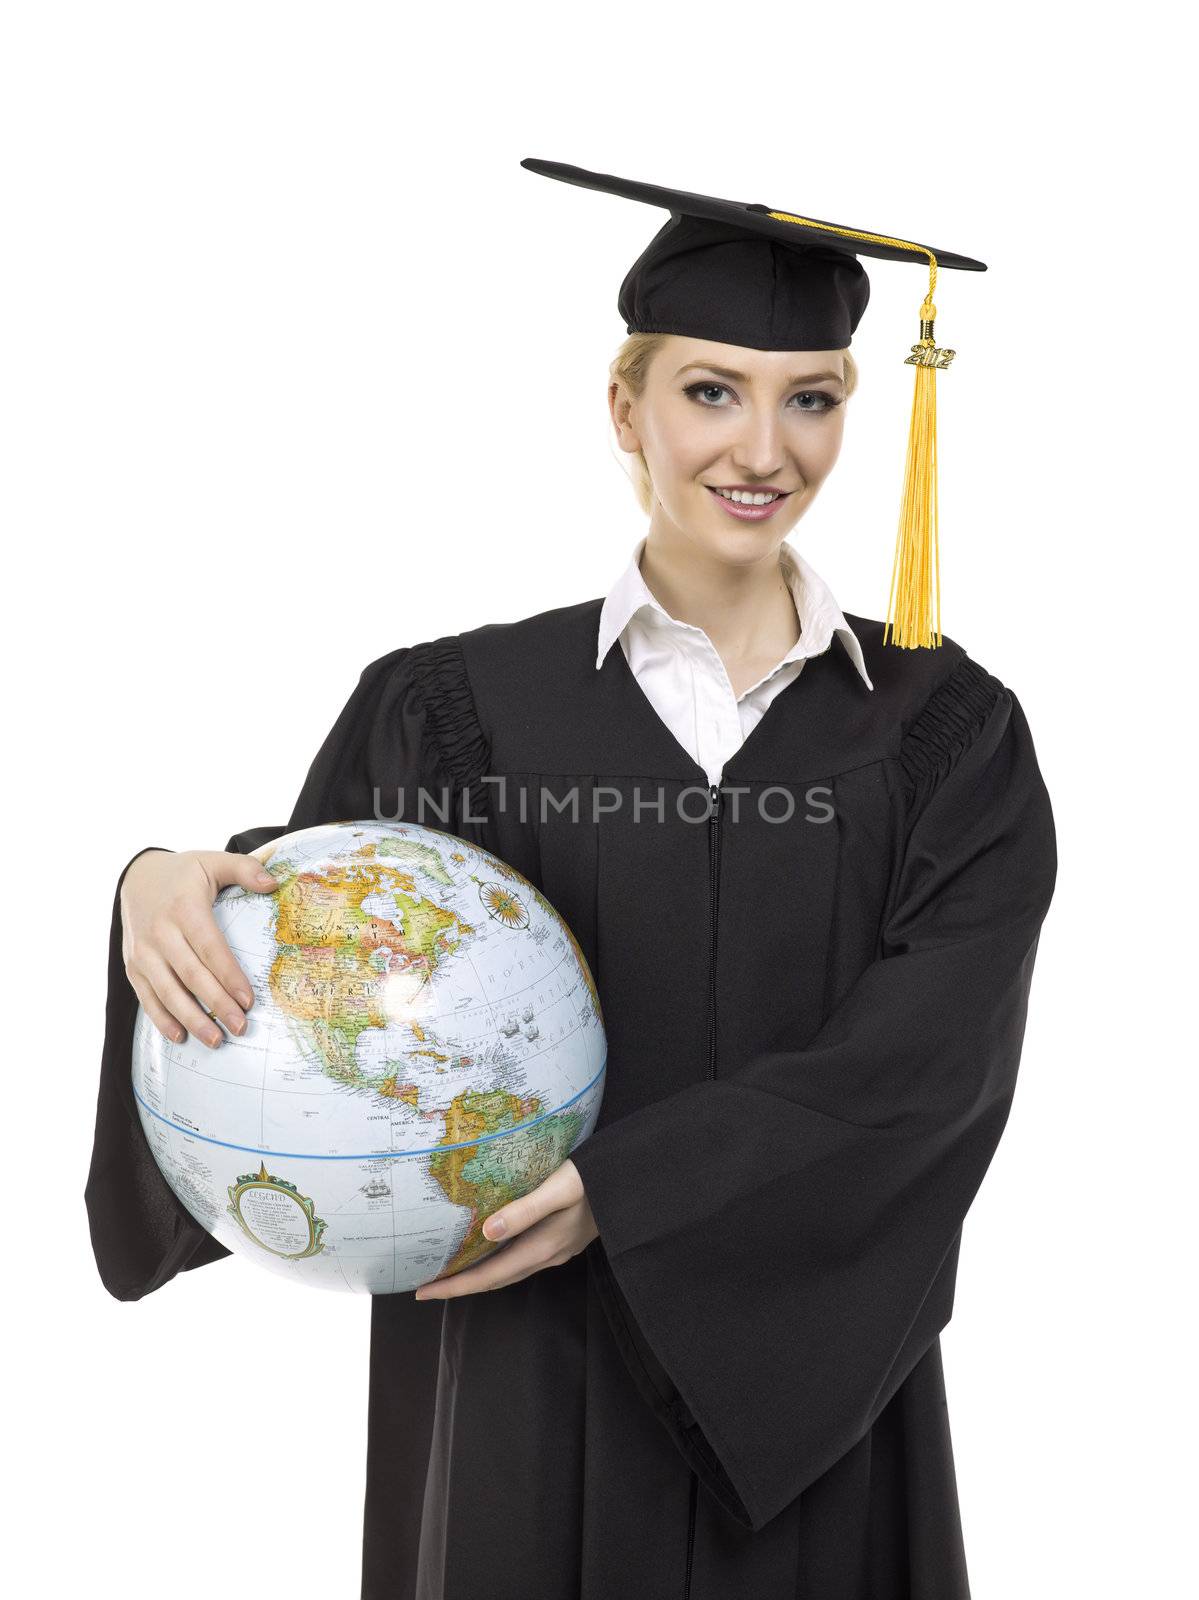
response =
{"points": [[631, 366]]}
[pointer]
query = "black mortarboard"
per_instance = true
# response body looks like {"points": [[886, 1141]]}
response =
{"points": [[770, 279]]}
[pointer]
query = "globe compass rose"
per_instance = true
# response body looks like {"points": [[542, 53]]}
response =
{"points": [[503, 905]]}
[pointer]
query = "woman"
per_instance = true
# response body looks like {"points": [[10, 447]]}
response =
{"points": [[808, 871]]}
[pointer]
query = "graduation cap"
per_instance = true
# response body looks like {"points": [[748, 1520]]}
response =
{"points": [[769, 279]]}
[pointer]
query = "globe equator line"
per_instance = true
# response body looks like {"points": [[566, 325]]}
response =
{"points": [[373, 1155]]}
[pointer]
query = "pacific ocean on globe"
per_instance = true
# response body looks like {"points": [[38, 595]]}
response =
{"points": [[426, 1044]]}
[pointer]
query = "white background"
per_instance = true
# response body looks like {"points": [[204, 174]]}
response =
{"points": [[299, 365]]}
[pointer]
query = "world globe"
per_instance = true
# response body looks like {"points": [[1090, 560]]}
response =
{"points": [[426, 1044]]}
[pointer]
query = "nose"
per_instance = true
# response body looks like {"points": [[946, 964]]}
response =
{"points": [[759, 451]]}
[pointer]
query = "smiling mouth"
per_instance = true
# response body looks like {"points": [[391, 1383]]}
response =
{"points": [[748, 496], [750, 509]]}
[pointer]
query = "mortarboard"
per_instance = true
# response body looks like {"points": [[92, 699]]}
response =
{"points": [[770, 279]]}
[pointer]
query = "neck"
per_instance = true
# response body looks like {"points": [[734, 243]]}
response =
{"points": [[745, 607]]}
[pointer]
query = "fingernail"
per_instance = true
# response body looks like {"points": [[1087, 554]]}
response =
{"points": [[244, 998], [495, 1227], [213, 1038], [237, 1027]]}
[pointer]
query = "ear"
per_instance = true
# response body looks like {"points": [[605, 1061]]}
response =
{"points": [[620, 407]]}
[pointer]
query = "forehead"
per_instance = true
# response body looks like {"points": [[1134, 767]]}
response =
{"points": [[766, 366]]}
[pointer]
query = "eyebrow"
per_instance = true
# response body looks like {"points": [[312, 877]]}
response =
{"points": [[740, 377]]}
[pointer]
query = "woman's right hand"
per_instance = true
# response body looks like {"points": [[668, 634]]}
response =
{"points": [[174, 952]]}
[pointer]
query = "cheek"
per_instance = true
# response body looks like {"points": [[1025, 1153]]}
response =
{"points": [[679, 447], [820, 448]]}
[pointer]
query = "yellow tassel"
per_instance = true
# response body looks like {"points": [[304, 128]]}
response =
{"points": [[916, 570]]}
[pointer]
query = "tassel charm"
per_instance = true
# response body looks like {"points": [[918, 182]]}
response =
{"points": [[926, 354], [914, 605]]}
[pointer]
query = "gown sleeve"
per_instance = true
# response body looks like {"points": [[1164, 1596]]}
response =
{"points": [[778, 1244], [410, 722]]}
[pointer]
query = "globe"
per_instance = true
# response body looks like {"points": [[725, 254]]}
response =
{"points": [[426, 1044]]}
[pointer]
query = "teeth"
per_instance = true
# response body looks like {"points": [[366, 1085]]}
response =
{"points": [[742, 497]]}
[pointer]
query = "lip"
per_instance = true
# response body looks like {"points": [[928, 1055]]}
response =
{"points": [[748, 513]]}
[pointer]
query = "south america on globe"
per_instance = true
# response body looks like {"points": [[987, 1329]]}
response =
{"points": [[426, 1044]]}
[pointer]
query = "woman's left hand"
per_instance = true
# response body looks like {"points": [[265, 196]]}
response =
{"points": [[547, 1226]]}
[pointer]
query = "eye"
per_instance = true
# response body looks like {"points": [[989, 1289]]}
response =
{"points": [[695, 389], [825, 402]]}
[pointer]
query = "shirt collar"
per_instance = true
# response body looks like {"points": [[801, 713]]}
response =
{"points": [[820, 616]]}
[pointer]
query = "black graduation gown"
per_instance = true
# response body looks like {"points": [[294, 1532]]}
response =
{"points": [[814, 1026]]}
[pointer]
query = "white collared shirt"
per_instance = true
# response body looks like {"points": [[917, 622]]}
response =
{"points": [[680, 670]]}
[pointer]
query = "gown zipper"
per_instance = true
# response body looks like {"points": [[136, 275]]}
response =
{"points": [[715, 797]]}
